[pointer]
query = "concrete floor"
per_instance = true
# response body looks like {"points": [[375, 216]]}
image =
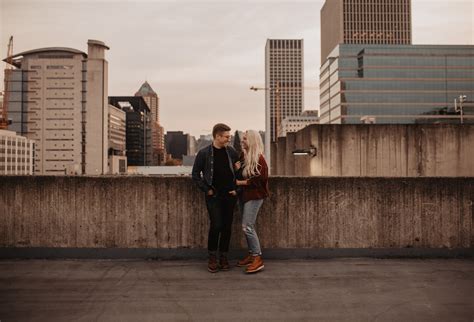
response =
{"points": [[312, 290]]}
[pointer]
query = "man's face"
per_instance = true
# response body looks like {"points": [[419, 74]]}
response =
{"points": [[223, 138]]}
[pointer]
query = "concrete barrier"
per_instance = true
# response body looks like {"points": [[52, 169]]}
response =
{"points": [[378, 150], [367, 214]]}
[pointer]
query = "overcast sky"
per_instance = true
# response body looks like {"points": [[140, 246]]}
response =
{"points": [[201, 57]]}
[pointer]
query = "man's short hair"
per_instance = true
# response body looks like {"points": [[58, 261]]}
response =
{"points": [[219, 128]]}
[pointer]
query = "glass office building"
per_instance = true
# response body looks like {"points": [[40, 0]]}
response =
{"points": [[396, 84]]}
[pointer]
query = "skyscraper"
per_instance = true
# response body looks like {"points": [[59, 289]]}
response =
{"points": [[138, 128], [364, 22], [58, 97], [371, 73], [284, 84], [158, 133], [151, 99], [396, 83]]}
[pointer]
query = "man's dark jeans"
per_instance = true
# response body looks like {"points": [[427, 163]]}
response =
{"points": [[221, 214]]}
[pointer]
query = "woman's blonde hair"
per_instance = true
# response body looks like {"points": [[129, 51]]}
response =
{"points": [[255, 149]]}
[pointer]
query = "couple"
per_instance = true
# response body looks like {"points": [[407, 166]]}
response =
{"points": [[225, 177]]}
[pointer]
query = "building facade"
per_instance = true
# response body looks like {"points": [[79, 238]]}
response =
{"points": [[152, 100], [57, 97], [138, 129], [284, 84], [364, 22], [1, 102], [179, 144], [296, 123], [117, 141], [95, 158], [16, 154], [395, 83]]}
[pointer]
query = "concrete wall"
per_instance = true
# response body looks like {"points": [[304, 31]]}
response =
{"points": [[376, 150], [146, 212]]}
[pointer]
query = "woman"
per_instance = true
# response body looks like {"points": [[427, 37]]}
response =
{"points": [[254, 189]]}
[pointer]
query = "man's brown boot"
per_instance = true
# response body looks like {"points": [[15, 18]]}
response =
{"points": [[224, 263], [246, 261], [255, 266], [212, 264]]}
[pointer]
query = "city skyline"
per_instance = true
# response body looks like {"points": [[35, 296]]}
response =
{"points": [[202, 71]]}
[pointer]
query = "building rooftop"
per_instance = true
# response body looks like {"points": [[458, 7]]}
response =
{"points": [[145, 90], [97, 43], [18, 57], [289, 290]]}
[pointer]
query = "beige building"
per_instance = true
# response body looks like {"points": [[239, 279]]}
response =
{"points": [[364, 22], [16, 154], [58, 97], [117, 162], [295, 123], [284, 81]]}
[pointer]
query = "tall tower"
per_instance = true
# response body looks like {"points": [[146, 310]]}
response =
{"points": [[151, 99], [364, 22], [284, 83], [97, 109], [157, 132]]}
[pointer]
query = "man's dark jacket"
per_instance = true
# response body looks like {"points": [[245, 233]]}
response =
{"points": [[204, 163]]}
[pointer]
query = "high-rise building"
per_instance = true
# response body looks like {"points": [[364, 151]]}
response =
{"points": [[396, 84], [158, 136], [16, 154], [152, 100], [364, 22], [138, 128], [58, 98], [284, 84]]}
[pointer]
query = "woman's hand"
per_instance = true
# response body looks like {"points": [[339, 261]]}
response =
{"points": [[242, 182]]}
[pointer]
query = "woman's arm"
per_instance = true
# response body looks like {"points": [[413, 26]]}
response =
{"points": [[263, 176]]}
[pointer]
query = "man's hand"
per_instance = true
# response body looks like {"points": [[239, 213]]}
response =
{"points": [[233, 193], [237, 165], [210, 192]]}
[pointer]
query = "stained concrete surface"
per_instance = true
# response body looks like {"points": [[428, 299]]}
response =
{"points": [[302, 213], [291, 290]]}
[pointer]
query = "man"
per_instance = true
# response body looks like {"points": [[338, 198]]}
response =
{"points": [[213, 171]]}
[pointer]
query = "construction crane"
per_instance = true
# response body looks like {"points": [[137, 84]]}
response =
{"points": [[4, 122], [277, 90]]}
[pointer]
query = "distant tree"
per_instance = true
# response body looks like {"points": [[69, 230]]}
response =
{"points": [[237, 145], [173, 162]]}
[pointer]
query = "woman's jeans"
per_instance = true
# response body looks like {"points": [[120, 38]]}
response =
{"points": [[249, 217]]}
